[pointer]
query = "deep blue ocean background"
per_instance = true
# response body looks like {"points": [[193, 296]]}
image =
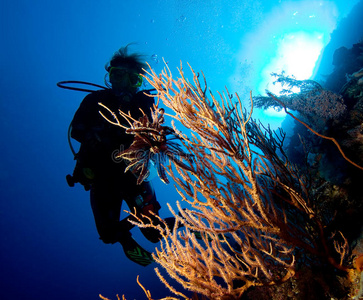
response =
{"points": [[49, 244]]}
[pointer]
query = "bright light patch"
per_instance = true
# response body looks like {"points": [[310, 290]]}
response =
{"points": [[297, 53], [271, 112], [290, 39]]}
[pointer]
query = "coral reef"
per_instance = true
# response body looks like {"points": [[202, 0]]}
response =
{"points": [[345, 61], [315, 104], [337, 184], [253, 225]]}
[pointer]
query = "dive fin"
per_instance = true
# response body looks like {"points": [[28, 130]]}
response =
{"points": [[136, 253]]}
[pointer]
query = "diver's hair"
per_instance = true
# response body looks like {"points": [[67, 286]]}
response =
{"points": [[128, 60]]}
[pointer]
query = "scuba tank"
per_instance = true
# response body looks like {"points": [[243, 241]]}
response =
{"points": [[81, 175]]}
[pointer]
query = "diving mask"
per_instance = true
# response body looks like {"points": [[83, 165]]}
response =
{"points": [[118, 74]]}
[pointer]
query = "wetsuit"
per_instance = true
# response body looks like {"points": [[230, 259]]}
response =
{"points": [[110, 185]]}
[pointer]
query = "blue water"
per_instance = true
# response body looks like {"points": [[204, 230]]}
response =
{"points": [[49, 244]]}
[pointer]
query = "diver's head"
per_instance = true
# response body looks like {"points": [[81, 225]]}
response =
{"points": [[124, 71]]}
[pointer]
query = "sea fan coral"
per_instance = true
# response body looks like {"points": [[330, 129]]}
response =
{"points": [[250, 218]]}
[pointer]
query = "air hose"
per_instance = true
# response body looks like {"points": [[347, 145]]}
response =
{"points": [[63, 85]]}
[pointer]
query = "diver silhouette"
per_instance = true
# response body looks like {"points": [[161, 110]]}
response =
{"points": [[97, 167]]}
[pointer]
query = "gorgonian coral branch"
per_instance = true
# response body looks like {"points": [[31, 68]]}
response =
{"points": [[152, 142], [249, 207]]}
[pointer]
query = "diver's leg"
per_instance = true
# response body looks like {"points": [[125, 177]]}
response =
{"points": [[106, 200], [106, 206], [144, 201]]}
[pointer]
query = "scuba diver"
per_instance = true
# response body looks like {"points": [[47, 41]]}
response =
{"points": [[98, 167]]}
